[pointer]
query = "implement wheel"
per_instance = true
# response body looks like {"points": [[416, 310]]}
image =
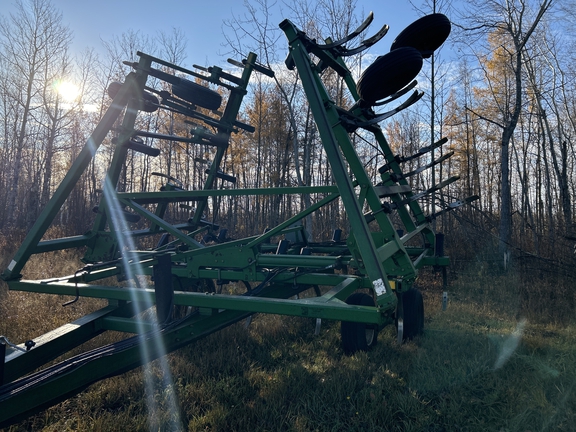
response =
{"points": [[358, 336], [412, 314], [426, 34], [197, 94], [389, 74]]}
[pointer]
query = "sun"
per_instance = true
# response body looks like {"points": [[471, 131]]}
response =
{"points": [[67, 90]]}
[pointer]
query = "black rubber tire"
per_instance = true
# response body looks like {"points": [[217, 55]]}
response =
{"points": [[358, 336], [148, 102], [113, 89], [413, 305], [426, 34], [388, 74], [197, 94]]}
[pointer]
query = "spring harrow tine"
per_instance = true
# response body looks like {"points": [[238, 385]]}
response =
{"points": [[434, 188], [425, 150], [367, 43], [419, 153], [415, 97], [397, 95], [351, 122], [388, 207], [174, 180], [454, 205], [363, 26], [435, 162]]}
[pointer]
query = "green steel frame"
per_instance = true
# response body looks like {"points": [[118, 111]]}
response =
{"points": [[375, 257]]}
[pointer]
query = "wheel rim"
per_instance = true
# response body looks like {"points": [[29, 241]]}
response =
{"points": [[400, 330], [369, 334]]}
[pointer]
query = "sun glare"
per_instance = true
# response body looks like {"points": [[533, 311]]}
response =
{"points": [[67, 90]]}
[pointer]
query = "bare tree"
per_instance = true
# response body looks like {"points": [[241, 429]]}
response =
{"points": [[511, 24], [29, 39], [258, 32]]}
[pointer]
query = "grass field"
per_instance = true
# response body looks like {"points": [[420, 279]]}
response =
{"points": [[487, 363]]}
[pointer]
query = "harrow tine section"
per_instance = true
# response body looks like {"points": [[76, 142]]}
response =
{"points": [[367, 43], [395, 205], [397, 95], [425, 150], [351, 122], [425, 167], [363, 26], [416, 96], [454, 205], [419, 153], [434, 188]]}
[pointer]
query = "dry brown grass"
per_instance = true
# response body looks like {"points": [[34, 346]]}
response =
{"points": [[276, 375], [28, 315]]}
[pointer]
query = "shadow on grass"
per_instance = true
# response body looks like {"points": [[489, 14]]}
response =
{"points": [[278, 376], [471, 371]]}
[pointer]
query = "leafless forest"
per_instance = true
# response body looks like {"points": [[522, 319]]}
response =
{"points": [[502, 91]]}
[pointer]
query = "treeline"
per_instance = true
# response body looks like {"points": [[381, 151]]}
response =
{"points": [[503, 94]]}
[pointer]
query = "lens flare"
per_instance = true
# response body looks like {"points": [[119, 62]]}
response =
{"points": [[68, 91], [129, 259]]}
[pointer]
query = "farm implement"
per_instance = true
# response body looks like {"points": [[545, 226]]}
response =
{"points": [[172, 292]]}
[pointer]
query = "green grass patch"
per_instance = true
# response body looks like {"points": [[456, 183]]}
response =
{"points": [[469, 372], [484, 364]]}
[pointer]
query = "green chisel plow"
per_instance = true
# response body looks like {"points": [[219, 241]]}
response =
{"points": [[172, 291]]}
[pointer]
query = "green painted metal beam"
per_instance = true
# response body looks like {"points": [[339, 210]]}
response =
{"points": [[62, 381], [301, 307], [51, 345], [327, 120], [65, 188], [182, 196]]}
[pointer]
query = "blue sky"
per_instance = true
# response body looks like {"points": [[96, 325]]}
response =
{"points": [[201, 21]]}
